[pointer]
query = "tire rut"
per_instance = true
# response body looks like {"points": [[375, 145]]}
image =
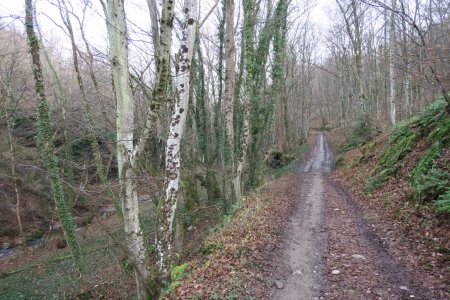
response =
{"points": [[399, 279], [329, 250]]}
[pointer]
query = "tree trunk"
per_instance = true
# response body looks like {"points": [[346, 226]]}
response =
{"points": [[407, 79], [164, 243], [278, 69], [67, 170], [230, 69], [392, 54], [44, 140], [237, 184], [126, 161], [162, 44], [12, 151], [149, 134], [153, 11], [89, 117], [355, 36]]}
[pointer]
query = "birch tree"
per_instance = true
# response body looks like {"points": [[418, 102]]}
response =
{"points": [[126, 152], [168, 205], [392, 54]]}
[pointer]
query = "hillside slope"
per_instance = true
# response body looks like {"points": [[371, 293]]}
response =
{"points": [[401, 182]]}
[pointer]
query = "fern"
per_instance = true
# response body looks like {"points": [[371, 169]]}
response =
{"points": [[429, 181]]}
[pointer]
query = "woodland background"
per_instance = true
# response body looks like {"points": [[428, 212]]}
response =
{"points": [[190, 114]]}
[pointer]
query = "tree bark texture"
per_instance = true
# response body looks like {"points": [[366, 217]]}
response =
{"points": [[164, 240], [44, 139], [125, 149], [392, 55]]}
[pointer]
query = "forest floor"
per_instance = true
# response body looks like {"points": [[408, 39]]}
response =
{"points": [[312, 233], [303, 236]]}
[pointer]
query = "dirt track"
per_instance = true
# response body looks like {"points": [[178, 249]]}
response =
{"points": [[330, 252], [303, 248]]}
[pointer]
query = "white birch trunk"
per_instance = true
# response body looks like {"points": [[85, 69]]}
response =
{"points": [[392, 51], [164, 240], [125, 152]]}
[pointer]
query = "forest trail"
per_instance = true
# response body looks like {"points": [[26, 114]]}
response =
{"points": [[330, 251], [305, 235]]}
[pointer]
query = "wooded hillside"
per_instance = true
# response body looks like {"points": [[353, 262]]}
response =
{"points": [[155, 124]]}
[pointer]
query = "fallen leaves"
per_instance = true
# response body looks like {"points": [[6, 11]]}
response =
{"points": [[409, 231], [239, 268]]}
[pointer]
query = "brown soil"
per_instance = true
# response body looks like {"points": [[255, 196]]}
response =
{"points": [[356, 262], [233, 262], [298, 273], [414, 238], [369, 251]]}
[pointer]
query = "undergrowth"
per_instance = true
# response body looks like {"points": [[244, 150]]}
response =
{"points": [[430, 176], [293, 159], [361, 135]]}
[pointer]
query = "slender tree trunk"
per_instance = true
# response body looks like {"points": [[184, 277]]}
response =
{"points": [[392, 55], [149, 135], [12, 153], [9, 102], [90, 118], [153, 11], [45, 143], [407, 79], [355, 36], [219, 119], [126, 161], [359, 67], [230, 70], [164, 243], [67, 170], [90, 62]]}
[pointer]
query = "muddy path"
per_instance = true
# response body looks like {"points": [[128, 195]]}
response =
{"points": [[329, 250], [300, 276]]}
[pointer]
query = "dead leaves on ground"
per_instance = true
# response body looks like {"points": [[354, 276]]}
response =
{"points": [[411, 232], [235, 266]]}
